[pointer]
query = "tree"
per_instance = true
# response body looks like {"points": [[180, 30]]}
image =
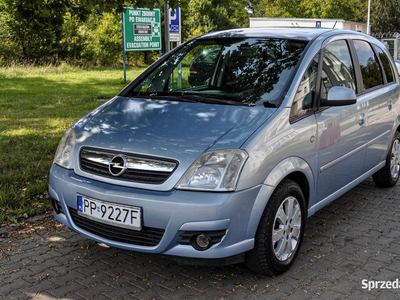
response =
{"points": [[35, 26], [203, 16], [335, 9], [385, 16]]}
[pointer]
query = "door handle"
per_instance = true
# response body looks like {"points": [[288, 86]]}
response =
{"points": [[361, 119], [390, 104]]}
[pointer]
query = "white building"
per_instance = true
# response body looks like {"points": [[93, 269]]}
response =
{"points": [[323, 23]]}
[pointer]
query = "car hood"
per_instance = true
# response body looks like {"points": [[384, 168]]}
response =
{"points": [[167, 129]]}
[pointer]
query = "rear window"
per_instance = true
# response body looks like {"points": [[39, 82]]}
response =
{"points": [[386, 64]]}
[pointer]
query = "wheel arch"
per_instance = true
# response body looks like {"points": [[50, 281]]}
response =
{"points": [[302, 181], [293, 168]]}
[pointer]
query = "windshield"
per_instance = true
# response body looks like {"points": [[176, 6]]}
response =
{"points": [[235, 71]]}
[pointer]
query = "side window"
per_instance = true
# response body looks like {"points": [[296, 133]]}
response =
{"points": [[303, 99], [370, 70], [337, 69], [196, 68], [386, 64], [211, 56]]}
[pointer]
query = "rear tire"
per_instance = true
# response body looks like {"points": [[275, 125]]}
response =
{"points": [[389, 174], [280, 232]]}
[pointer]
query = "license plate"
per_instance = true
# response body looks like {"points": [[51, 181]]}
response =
{"points": [[110, 213]]}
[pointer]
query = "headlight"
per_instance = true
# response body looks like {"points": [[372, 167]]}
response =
{"points": [[63, 156], [214, 171]]}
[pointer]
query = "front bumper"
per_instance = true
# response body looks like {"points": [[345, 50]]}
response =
{"points": [[174, 211]]}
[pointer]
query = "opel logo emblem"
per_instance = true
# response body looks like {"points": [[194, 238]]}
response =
{"points": [[117, 165]]}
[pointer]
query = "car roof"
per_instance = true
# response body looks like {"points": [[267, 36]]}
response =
{"points": [[297, 33]]}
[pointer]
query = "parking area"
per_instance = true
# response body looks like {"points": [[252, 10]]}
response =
{"points": [[355, 238]]}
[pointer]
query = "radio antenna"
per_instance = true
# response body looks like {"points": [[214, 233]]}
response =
{"points": [[334, 25]]}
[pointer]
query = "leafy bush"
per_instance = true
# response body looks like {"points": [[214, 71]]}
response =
{"points": [[103, 40]]}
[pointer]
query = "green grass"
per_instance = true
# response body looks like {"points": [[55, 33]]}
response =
{"points": [[37, 105]]}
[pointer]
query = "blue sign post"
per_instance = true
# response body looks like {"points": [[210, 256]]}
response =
{"points": [[175, 25], [123, 46], [318, 24], [174, 20]]}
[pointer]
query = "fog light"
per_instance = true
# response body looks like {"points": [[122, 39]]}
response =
{"points": [[203, 241], [57, 206]]}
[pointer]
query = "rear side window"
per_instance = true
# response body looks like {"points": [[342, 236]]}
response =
{"points": [[370, 70], [337, 69], [386, 64]]}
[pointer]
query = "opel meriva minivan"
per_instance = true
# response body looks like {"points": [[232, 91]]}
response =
{"points": [[227, 168]]}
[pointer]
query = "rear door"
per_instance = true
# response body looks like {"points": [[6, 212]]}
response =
{"points": [[379, 90]]}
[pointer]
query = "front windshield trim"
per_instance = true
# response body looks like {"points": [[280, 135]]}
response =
{"points": [[230, 94]]}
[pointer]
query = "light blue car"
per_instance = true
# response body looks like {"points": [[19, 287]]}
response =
{"points": [[228, 171]]}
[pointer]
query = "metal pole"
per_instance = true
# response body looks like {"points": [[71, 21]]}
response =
{"points": [[180, 75], [180, 27], [166, 21], [369, 12], [123, 45]]}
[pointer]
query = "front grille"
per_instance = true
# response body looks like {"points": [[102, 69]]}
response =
{"points": [[148, 236], [138, 169], [132, 175]]}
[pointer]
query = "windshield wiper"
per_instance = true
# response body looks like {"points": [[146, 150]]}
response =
{"points": [[212, 100], [155, 96], [192, 98]]}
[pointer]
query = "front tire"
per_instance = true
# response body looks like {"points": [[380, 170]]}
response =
{"points": [[389, 174], [280, 232]]}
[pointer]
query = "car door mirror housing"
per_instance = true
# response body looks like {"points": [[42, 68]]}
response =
{"points": [[339, 96]]}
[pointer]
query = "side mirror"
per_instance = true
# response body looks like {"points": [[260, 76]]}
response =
{"points": [[339, 96]]}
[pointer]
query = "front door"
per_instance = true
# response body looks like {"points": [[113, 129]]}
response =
{"points": [[341, 129]]}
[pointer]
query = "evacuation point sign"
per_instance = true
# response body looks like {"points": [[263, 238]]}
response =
{"points": [[142, 29]]}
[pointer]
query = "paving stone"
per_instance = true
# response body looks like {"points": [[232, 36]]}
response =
{"points": [[13, 286], [17, 295], [330, 295], [62, 290], [389, 295], [394, 265], [93, 291], [43, 266], [344, 285], [15, 274], [300, 294], [40, 276], [39, 287]]}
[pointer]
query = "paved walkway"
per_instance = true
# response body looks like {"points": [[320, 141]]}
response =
{"points": [[356, 237]]}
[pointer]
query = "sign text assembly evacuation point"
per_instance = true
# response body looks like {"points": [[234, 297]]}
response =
{"points": [[142, 29]]}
